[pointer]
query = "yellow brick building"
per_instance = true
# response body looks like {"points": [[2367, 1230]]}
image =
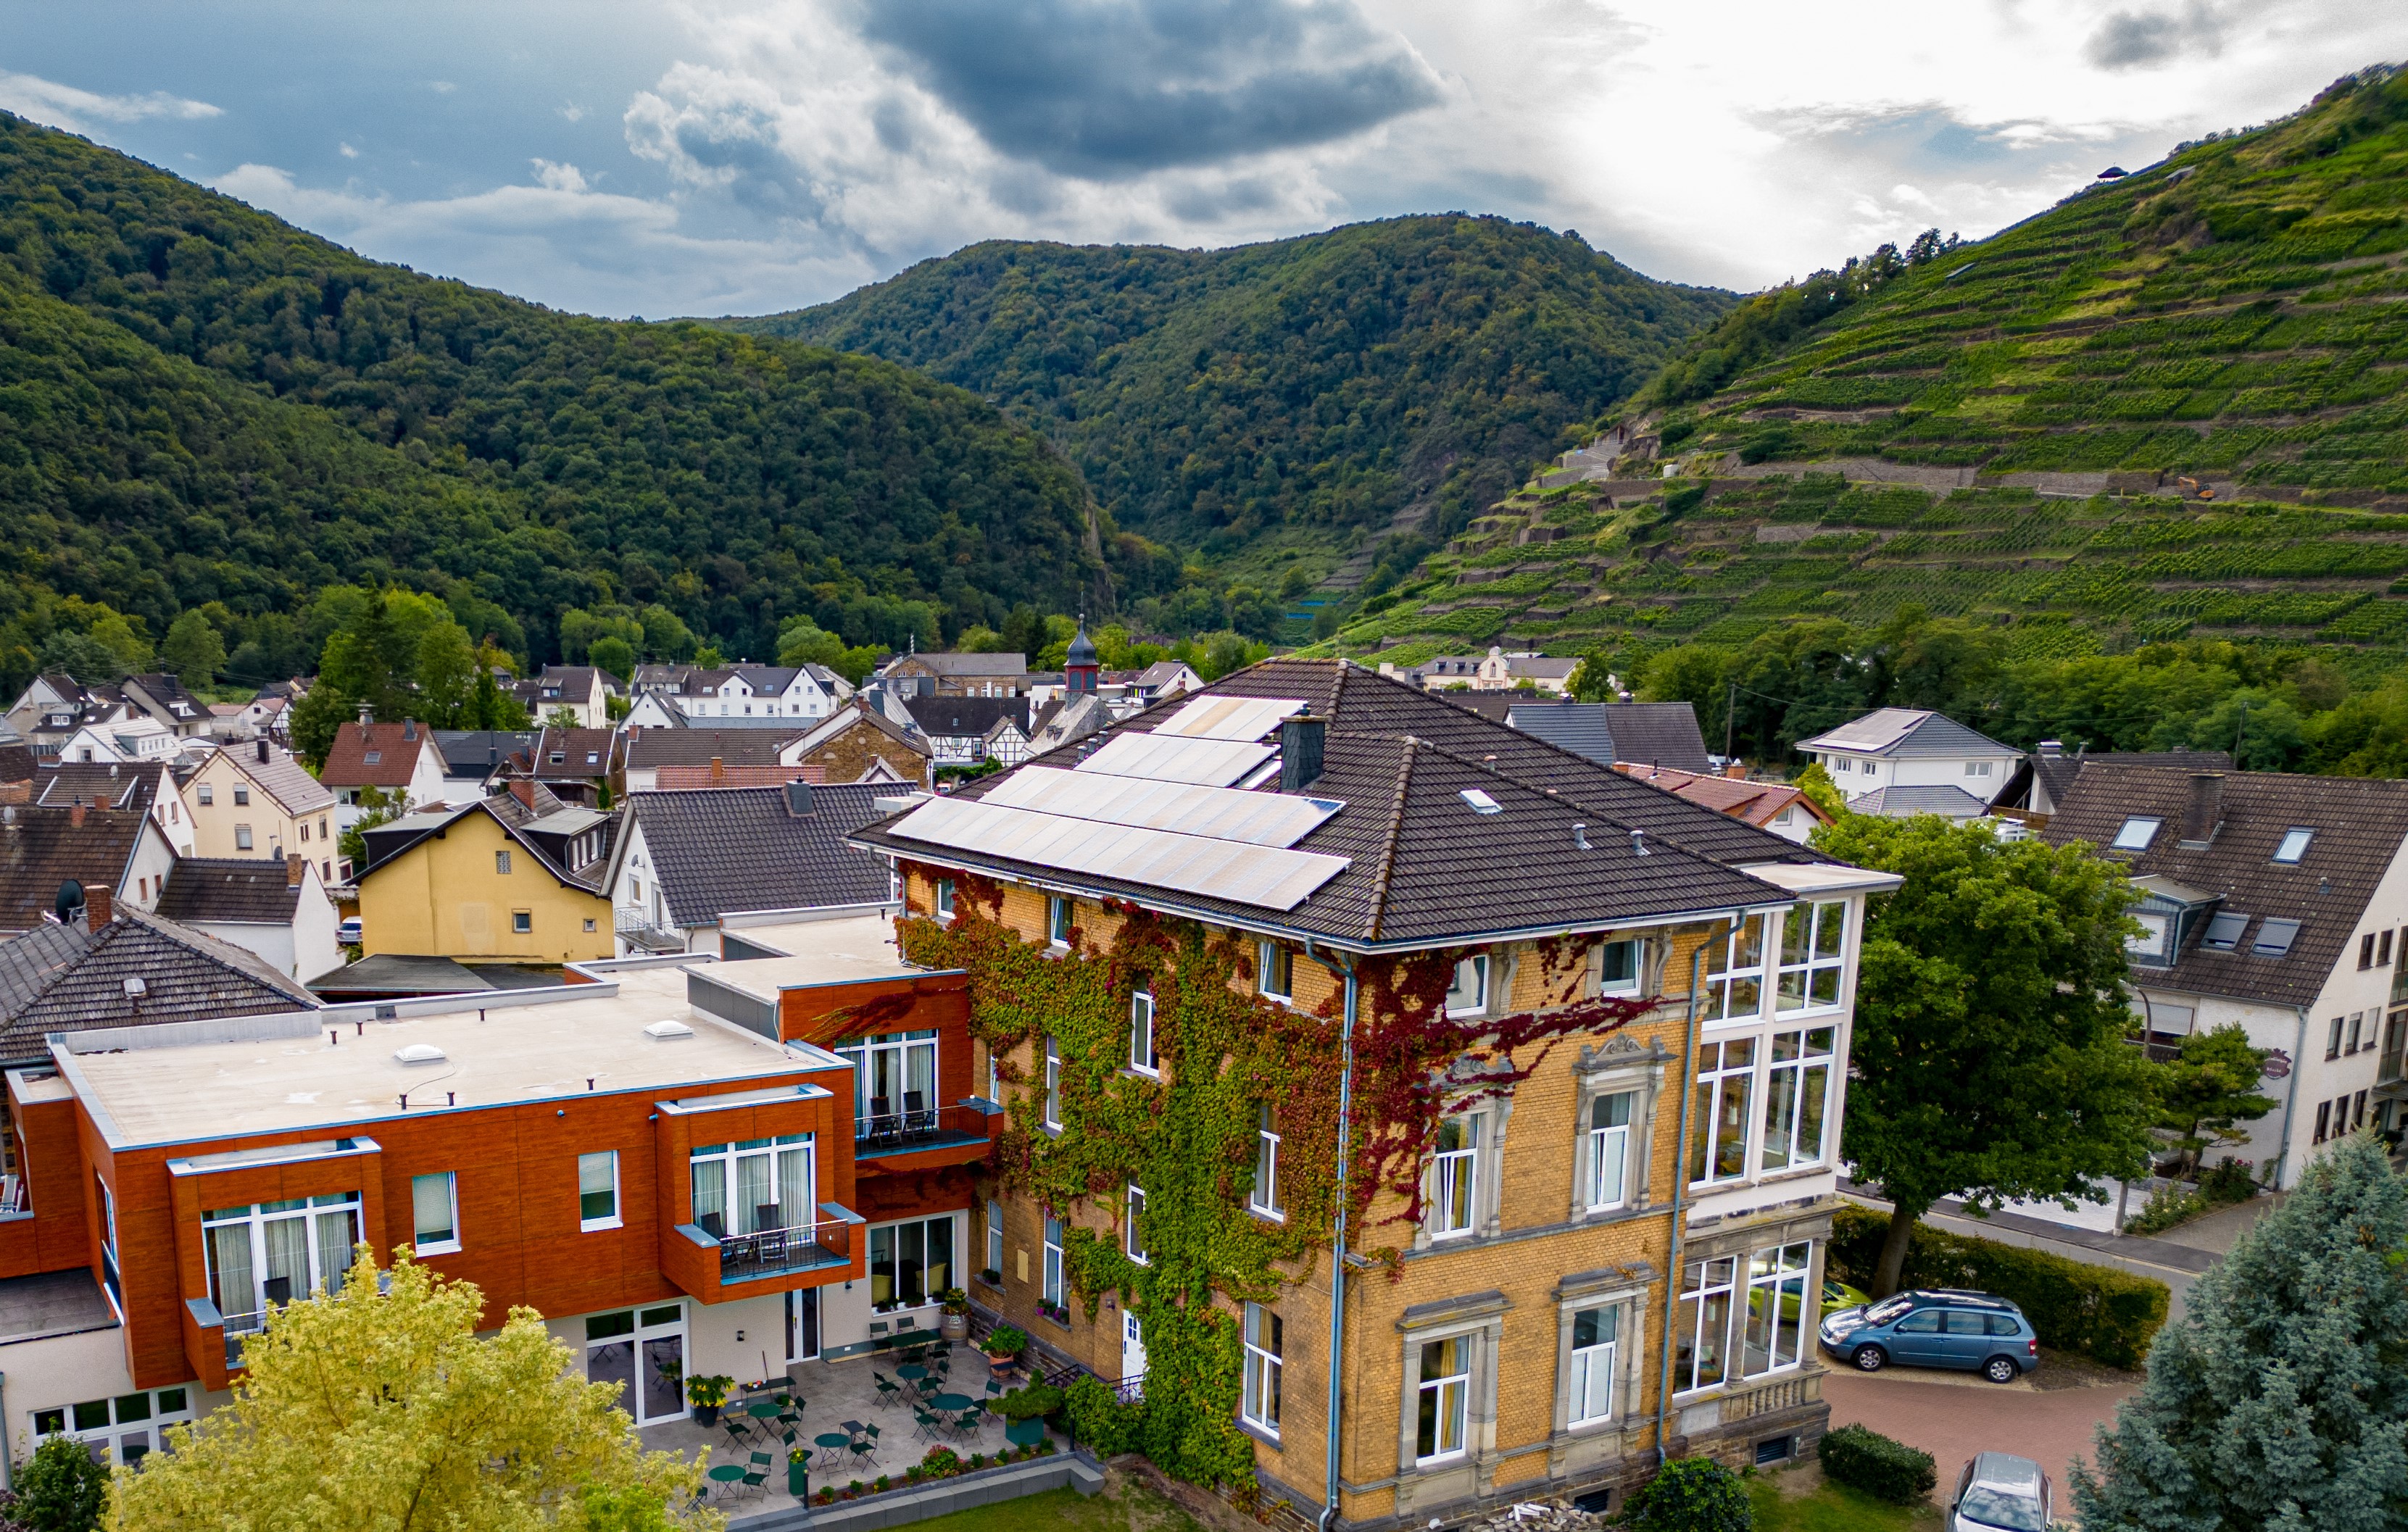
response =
{"points": [[1516, 1339], [499, 880]]}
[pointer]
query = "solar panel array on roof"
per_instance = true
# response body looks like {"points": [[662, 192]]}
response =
{"points": [[1269, 877], [1228, 717], [1216, 763], [1225, 813]]}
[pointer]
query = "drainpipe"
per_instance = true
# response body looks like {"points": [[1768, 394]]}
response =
{"points": [[2290, 1098], [1338, 1241], [7, 1466], [1680, 1183]]}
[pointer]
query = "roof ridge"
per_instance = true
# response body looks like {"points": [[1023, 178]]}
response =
{"points": [[1378, 899]]}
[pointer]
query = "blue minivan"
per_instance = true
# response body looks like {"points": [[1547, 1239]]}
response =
{"points": [[1936, 1328]]}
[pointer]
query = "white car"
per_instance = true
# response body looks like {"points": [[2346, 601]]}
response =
{"points": [[1999, 1492]]}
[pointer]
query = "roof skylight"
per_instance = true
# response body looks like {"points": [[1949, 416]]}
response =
{"points": [[2224, 931], [2294, 846], [1481, 802], [2274, 938], [2136, 835]]}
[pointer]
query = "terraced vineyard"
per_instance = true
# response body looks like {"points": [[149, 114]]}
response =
{"points": [[2170, 405]]}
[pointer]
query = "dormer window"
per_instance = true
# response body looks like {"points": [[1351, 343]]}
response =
{"points": [[2136, 835], [2224, 932], [2294, 846]]}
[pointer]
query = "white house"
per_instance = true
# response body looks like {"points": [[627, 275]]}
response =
{"points": [[736, 692], [275, 907], [138, 740], [2277, 902], [1499, 671], [583, 690], [1911, 749]]}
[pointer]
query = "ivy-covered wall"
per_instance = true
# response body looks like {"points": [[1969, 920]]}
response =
{"points": [[1188, 1138]]}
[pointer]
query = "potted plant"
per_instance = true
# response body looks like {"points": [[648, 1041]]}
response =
{"points": [[706, 1394], [955, 1324], [1004, 1344], [798, 1472]]}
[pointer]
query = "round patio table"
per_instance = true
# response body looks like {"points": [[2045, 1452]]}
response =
{"points": [[1024, 1433], [728, 1474], [833, 1445], [955, 1403], [765, 1410]]}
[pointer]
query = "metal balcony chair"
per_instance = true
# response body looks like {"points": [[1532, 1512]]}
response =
{"points": [[770, 1245], [917, 1118], [882, 1118]]}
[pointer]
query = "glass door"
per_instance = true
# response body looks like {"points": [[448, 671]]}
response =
{"points": [[644, 1351], [1132, 1356], [803, 1324]]}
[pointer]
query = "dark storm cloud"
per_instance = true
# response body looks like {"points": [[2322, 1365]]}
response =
{"points": [[2135, 39], [1106, 89]]}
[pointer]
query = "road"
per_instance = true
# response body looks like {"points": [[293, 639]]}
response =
{"points": [[1952, 1420]]}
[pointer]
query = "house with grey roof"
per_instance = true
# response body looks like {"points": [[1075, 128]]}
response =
{"points": [[274, 906], [122, 967], [1913, 748], [687, 858], [2276, 902], [2041, 783], [1662, 734]]}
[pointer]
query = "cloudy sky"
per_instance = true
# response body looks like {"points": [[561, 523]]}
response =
{"points": [[743, 156]]}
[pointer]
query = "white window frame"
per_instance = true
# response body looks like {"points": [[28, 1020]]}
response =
{"points": [[1454, 1179], [942, 900], [1593, 1366], [933, 1282], [1143, 1058], [896, 1054], [2136, 834], [1610, 1143], [1695, 1321], [502, 862], [1133, 1208], [1474, 1001], [1726, 1103], [423, 1246], [1053, 1290], [1815, 963], [1262, 1198], [1804, 1076], [242, 837], [1638, 967], [1451, 1406], [1053, 1083], [1776, 1274], [609, 1221], [1258, 1403], [326, 1269], [1058, 920], [111, 1438], [208, 795], [1735, 975], [728, 1155], [1270, 958], [994, 1240], [241, 795]]}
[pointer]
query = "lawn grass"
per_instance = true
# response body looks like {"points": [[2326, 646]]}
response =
{"points": [[1125, 1506], [1834, 1507]]}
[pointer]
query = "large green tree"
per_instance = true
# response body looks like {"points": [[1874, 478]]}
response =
{"points": [[2278, 1402], [1989, 1060], [2211, 1088]]}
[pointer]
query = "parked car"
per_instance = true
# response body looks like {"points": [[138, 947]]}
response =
{"points": [[1839, 1295], [1999, 1492], [347, 931], [1936, 1328]]}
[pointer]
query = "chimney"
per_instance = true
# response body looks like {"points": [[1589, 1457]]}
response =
{"points": [[718, 771], [2205, 810], [97, 910], [263, 752], [523, 789], [1300, 742], [294, 865], [1734, 770], [75, 815], [367, 715], [798, 798], [2052, 749]]}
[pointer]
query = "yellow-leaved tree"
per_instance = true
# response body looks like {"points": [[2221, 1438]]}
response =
{"points": [[384, 1411]]}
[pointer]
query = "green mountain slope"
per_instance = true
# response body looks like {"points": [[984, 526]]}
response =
{"points": [[2019, 430], [207, 404], [1313, 387]]}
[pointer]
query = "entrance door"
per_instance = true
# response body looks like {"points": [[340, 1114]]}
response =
{"points": [[644, 1351], [1132, 1355], [803, 1324]]}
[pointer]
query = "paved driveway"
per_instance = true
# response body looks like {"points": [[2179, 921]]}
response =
{"points": [[1953, 1421]]}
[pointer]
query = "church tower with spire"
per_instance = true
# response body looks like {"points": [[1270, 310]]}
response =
{"points": [[1080, 670]]}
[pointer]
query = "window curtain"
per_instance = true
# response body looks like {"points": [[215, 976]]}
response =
{"points": [[921, 1069], [794, 1187], [710, 1193], [236, 1290], [336, 1237], [752, 1191], [288, 1252]]}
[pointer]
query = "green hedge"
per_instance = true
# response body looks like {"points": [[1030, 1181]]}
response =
{"points": [[2102, 1313], [1882, 1468]]}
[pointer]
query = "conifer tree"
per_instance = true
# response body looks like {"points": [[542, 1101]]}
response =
{"points": [[2279, 1401]]}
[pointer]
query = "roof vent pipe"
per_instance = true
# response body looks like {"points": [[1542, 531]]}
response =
{"points": [[1300, 742], [1639, 843], [1580, 837], [2205, 810]]}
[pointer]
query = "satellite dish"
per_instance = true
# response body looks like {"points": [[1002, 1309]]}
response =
{"points": [[70, 902]]}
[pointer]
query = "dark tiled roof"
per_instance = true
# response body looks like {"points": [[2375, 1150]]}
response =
{"points": [[719, 849], [402, 973], [697, 745], [249, 888], [1904, 733], [1423, 866], [475, 752], [574, 747], [2359, 823], [42, 848], [65, 979], [966, 717], [16, 763], [1647, 733], [567, 683], [98, 784], [968, 665], [2056, 772], [1906, 802], [395, 747]]}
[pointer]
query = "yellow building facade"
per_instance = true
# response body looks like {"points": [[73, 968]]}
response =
{"points": [[476, 893]]}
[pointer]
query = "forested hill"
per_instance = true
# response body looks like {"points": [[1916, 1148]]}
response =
{"points": [[204, 404], [1324, 383]]}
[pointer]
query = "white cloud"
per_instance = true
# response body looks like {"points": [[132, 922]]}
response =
{"points": [[347, 151], [82, 111]]}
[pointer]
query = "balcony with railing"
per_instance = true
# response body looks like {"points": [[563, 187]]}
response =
{"points": [[917, 1129], [634, 925], [718, 1260]]}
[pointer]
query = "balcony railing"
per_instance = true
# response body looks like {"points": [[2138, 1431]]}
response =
{"points": [[238, 1326], [634, 925], [778, 1253], [930, 1127]]}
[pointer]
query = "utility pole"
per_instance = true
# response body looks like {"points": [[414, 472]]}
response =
{"points": [[1731, 712]]}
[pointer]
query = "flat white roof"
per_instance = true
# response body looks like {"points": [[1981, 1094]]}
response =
{"points": [[1806, 878], [162, 1089]]}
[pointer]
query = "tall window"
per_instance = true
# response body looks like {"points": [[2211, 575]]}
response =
{"points": [[1052, 1082], [910, 1263], [501, 861], [1275, 971], [1058, 919], [1142, 1057], [1455, 1175], [1811, 939], [1053, 1261], [1702, 1327], [242, 837], [278, 1252], [1617, 967], [1776, 1308], [1726, 1076], [1609, 1150], [760, 1183], [597, 1190], [1798, 1094], [1593, 1333], [1468, 995], [109, 1267], [894, 1081], [944, 899], [1445, 1398], [1265, 1197], [1735, 974], [435, 1212], [241, 795], [995, 1240], [1261, 1404], [1134, 1236]]}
